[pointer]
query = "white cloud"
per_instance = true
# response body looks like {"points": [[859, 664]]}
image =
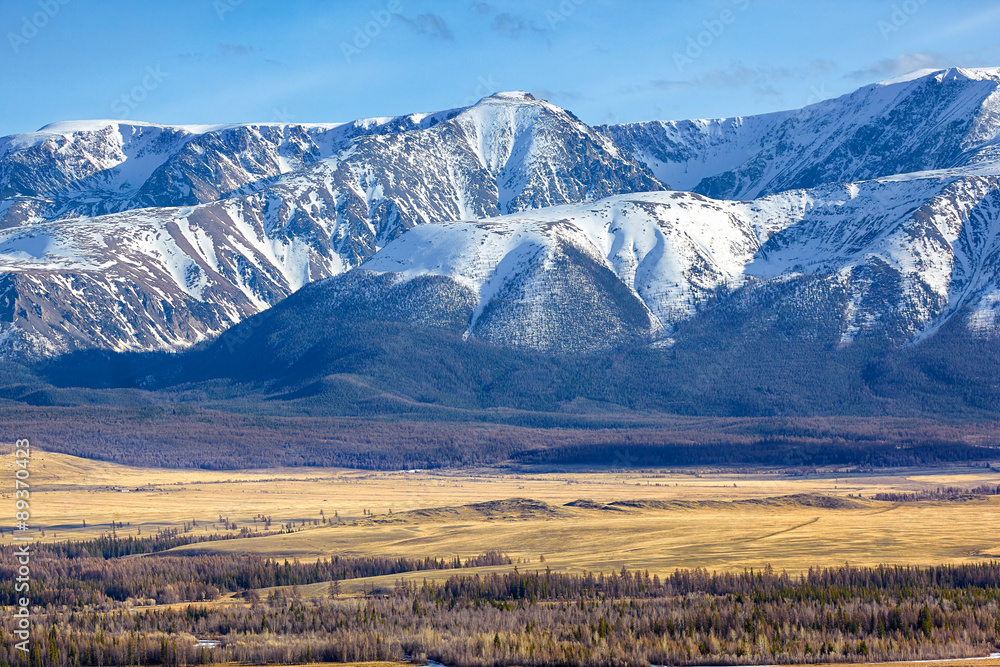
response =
{"points": [[901, 64]]}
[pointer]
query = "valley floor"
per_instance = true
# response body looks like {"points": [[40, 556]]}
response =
{"points": [[373, 572], [576, 519]]}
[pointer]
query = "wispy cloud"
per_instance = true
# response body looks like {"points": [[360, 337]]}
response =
{"points": [[516, 26], [483, 8], [821, 67], [430, 25], [760, 79], [901, 64], [510, 24], [237, 49], [222, 50]]}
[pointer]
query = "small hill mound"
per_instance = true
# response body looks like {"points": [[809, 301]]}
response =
{"points": [[508, 509], [800, 499]]}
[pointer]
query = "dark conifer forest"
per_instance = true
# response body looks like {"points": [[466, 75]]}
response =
{"points": [[155, 610]]}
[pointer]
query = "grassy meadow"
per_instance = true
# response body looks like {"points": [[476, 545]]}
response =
{"points": [[569, 521], [576, 519]]}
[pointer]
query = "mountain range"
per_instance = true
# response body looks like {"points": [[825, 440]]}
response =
{"points": [[864, 225]]}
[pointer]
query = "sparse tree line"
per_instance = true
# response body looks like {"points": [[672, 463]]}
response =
{"points": [[80, 583], [538, 618], [112, 546], [940, 493]]}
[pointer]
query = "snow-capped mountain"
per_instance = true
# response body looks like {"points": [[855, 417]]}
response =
{"points": [[507, 153], [931, 119], [584, 276], [169, 235], [889, 258], [873, 212]]}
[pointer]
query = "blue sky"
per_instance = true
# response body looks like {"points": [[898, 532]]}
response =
{"points": [[214, 61]]}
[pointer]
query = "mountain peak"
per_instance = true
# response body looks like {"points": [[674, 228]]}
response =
{"points": [[971, 73], [945, 74], [516, 95], [910, 76]]}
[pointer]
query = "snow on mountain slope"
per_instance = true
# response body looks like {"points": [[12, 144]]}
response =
{"points": [[365, 182], [670, 249], [553, 235], [940, 119], [280, 205], [905, 254], [901, 255], [685, 153], [135, 281], [508, 153], [95, 167]]}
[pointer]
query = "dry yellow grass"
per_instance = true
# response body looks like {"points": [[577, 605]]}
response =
{"points": [[705, 528]]}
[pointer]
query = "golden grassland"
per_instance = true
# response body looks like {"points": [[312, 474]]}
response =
{"points": [[718, 520]]}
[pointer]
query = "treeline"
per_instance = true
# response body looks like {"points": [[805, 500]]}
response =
{"points": [[782, 451], [110, 545], [827, 585], [174, 437], [623, 618], [940, 493], [82, 582]]}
